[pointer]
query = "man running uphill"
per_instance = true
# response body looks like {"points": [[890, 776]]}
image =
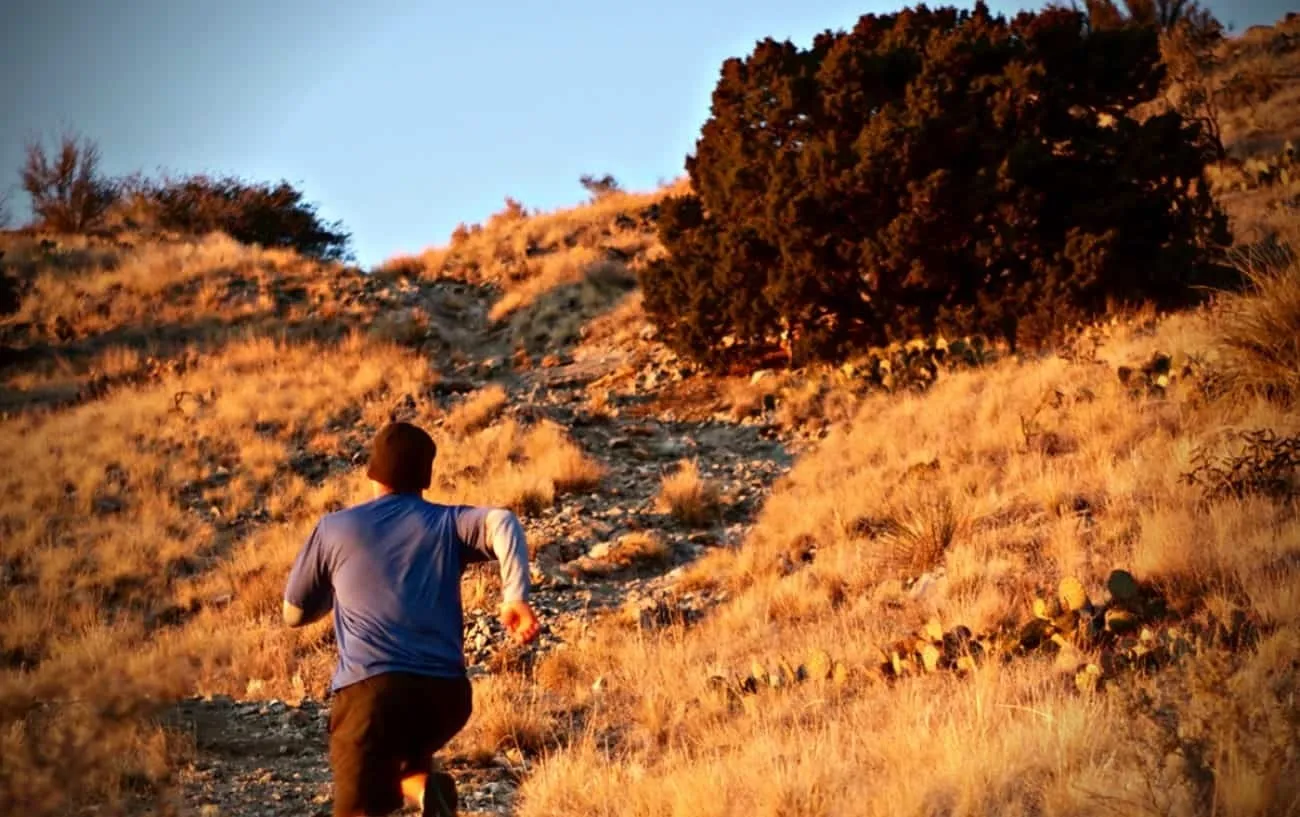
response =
{"points": [[390, 568]]}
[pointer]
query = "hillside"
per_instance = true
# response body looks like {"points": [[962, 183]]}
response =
{"points": [[1059, 584]]}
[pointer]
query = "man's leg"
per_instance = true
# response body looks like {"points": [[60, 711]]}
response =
{"points": [[434, 793], [365, 767], [413, 788], [446, 705]]}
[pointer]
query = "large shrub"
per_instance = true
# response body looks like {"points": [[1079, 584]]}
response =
{"points": [[931, 170], [272, 215]]}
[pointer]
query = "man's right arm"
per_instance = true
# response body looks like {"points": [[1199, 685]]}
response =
{"points": [[309, 593]]}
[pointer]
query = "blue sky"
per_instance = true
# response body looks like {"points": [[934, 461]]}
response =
{"points": [[400, 118]]}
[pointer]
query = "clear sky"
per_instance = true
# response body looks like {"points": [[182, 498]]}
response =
{"points": [[401, 118]]}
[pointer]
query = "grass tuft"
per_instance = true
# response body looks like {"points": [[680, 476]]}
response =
{"points": [[690, 498]]}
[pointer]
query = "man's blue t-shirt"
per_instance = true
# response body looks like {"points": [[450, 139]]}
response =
{"points": [[391, 569]]}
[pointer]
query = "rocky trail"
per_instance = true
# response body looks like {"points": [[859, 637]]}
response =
{"points": [[269, 757]]}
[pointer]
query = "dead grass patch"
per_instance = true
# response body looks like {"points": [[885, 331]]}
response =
{"points": [[1258, 335], [632, 551], [510, 713], [477, 411], [523, 468], [689, 497]]}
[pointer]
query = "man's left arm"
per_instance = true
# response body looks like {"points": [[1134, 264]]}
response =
{"points": [[487, 532], [309, 594]]}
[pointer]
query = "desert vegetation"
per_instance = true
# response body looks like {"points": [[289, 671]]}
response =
{"points": [[989, 490], [1052, 564], [69, 194], [941, 131]]}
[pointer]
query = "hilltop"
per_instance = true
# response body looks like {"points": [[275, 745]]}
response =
{"points": [[1058, 583]]}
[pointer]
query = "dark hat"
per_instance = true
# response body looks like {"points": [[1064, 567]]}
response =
{"points": [[401, 458]]}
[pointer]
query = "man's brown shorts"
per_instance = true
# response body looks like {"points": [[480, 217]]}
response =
{"points": [[385, 728]]}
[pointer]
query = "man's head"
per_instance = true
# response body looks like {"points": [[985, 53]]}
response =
{"points": [[401, 459]]}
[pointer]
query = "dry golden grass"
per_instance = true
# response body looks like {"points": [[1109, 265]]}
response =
{"points": [[496, 252], [477, 412], [629, 552], [92, 288], [689, 497], [558, 310], [511, 715], [1000, 482], [1258, 340], [554, 272], [1267, 62], [641, 548]]}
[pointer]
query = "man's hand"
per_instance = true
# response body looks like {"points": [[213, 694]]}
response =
{"points": [[519, 620]]}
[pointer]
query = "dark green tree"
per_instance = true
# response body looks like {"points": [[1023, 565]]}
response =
{"points": [[930, 170]]}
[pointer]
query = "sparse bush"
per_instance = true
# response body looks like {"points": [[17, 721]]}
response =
{"points": [[400, 266], [1251, 85], [1191, 56], [1039, 222], [514, 210], [105, 752], [1264, 464], [1163, 15], [252, 213], [463, 232], [68, 194], [641, 548], [599, 186]]}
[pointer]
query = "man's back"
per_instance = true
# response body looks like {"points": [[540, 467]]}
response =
{"points": [[391, 568]]}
